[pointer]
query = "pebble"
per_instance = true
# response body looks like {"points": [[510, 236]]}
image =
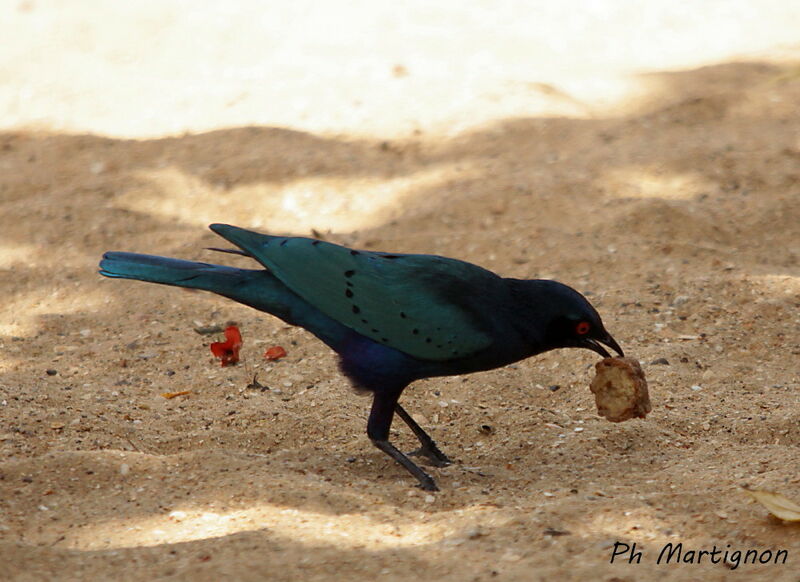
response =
{"points": [[97, 167], [697, 387], [124, 469]]}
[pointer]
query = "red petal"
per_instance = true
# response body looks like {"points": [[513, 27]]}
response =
{"points": [[233, 336], [275, 353], [219, 349], [228, 351]]}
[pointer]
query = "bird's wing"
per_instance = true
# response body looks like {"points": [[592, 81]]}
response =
{"points": [[418, 304]]}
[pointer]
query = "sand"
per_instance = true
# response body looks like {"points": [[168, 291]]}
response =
{"points": [[646, 157]]}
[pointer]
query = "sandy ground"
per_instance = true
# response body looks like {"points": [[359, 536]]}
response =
{"points": [[648, 157]]}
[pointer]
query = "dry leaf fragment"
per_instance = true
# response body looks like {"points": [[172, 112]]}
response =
{"points": [[169, 395], [777, 504]]}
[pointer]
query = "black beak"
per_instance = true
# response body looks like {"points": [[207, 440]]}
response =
{"points": [[595, 346]]}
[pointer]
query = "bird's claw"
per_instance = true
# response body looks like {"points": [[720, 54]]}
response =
{"points": [[428, 485], [434, 456]]}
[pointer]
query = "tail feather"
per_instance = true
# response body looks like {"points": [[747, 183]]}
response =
{"points": [[257, 288], [180, 273]]}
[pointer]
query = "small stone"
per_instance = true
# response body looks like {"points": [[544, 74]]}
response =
{"points": [[429, 499], [660, 362], [51, 372], [697, 387], [124, 469], [680, 300], [554, 387]]}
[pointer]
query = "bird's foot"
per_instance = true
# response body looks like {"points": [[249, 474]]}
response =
{"points": [[427, 484], [434, 456]]}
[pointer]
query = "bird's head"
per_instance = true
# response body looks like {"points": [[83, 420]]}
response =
{"points": [[568, 319]]}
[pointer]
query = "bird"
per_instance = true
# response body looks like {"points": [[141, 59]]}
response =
{"points": [[391, 318]]}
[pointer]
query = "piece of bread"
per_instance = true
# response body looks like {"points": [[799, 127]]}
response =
{"points": [[620, 389]]}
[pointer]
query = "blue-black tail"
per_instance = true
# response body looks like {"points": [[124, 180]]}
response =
{"points": [[257, 288], [177, 272]]}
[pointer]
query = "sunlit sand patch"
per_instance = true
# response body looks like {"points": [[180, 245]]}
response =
{"points": [[299, 525], [779, 284], [16, 253], [19, 316], [341, 204], [651, 183]]}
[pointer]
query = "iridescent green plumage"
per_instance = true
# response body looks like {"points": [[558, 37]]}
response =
{"points": [[408, 302]]}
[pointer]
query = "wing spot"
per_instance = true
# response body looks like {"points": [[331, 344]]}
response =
{"points": [[315, 242], [440, 346], [402, 315], [349, 273], [354, 253], [364, 321], [375, 330], [384, 340], [284, 241], [415, 331], [390, 256], [428, 340], [348, 293], [348, 283]]}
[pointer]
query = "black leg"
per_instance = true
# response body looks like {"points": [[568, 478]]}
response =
{"points": [[428, 448], [380, 421]]}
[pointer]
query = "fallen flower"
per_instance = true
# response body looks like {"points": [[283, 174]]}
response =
{"points": [[228, 351], [275, 353]]}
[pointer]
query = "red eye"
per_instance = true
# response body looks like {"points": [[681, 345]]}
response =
{"points": [[583, 328]]}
